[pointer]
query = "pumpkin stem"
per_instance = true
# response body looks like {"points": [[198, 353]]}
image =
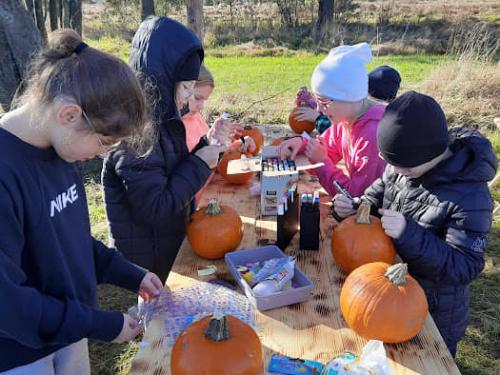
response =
{"points": [[247, 127], [218, 329], [397, 273], [363, 214], [213, 207]]}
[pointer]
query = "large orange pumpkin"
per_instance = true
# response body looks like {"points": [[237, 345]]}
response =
{"points": [[360, 239], [257, 136], [214, 230], [238, 178], [299, 126], [217, 345], [383, 302]]}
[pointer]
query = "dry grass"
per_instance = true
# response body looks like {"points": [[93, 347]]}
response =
{"points": [[468, 89], [402, 26], [416, 10]]}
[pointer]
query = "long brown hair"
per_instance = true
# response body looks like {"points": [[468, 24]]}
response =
{"points": [[105, 87]]}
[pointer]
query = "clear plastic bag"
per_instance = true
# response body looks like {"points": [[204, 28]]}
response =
{"points": [[373, 361], [179, 309]]}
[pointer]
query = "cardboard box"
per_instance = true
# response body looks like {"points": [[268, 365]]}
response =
{"points": [[274, 184]]}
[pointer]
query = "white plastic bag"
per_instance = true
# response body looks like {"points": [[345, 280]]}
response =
{"points": [[374, 357], [373, 361]]}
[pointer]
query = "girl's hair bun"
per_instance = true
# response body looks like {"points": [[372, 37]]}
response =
{"points": [[62, 43]]}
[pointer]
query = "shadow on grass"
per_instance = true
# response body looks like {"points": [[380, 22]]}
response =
{"points": [[108, 358]]}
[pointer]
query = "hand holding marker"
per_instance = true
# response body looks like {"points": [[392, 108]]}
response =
{"points": [[345, 193]]}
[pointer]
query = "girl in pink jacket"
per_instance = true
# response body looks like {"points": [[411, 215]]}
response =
{"points": [[340, 86]]}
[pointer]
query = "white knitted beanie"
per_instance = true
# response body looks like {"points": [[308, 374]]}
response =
{"points": [[342, 74]]}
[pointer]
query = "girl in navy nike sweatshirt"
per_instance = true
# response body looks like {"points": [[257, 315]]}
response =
{"points": [[78, 103]]}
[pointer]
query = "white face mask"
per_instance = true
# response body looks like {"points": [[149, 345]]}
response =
{"points": [[184, 90]]}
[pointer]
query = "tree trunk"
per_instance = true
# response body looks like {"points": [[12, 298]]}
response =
{"points": [[75, 15], [40, 20], [195, 17], [31, 8], [284, 9], [19, 38], [147, 8], [60, 12], [324, 24], [66, 14], [53, 14]]}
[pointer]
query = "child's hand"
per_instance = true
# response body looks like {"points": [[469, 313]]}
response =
{"points": [[224, 129], [131, 328], [210, 155], [250, 145], [343, 205], [292, 146], [316, 150], [151, 287], [393, 222], [306, 114]]}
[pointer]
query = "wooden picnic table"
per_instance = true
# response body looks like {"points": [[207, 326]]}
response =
{"points": [[312, 330]]}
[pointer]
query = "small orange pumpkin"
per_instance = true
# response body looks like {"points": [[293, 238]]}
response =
{"points": [[238, 178], [214, 230], [383, 302], [299, 126], [359, 240], [222, 345], [278, 141], [257, 136]]}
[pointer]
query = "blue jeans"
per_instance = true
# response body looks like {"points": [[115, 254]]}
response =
{"points": [[72, 359]]}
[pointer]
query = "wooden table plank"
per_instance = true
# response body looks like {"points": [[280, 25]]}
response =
{"points": [[311, 330]]}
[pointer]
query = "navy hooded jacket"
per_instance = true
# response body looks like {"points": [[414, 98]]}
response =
{"points": [[149, 200], [448, 212]]}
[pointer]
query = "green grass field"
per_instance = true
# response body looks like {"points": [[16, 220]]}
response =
{"points": [[242, 80]]}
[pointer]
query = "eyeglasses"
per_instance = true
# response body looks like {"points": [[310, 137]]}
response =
{"points": [[322, 101], [94, 130]]}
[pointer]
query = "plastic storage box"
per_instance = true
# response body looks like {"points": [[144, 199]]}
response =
{"points": [[301, 285]]}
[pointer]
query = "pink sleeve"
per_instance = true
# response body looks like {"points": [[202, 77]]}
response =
{"points": [[364, 165], [330, 171], [196, 127]]}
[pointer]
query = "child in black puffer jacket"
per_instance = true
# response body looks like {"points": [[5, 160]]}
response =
{"points": [[434, 202]]}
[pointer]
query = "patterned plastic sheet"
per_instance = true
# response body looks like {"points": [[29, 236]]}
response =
{"points": [[182, 307]]}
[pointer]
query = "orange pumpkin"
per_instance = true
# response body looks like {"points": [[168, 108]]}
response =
{"points": [[299, 126], [214, 230], [257, 136], [382, 302], [359, 240], [278, 141], [222, 345], [238, 178]]}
